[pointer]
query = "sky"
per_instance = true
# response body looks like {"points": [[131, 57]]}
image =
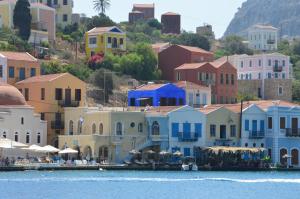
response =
{"points": [[193, 12]]}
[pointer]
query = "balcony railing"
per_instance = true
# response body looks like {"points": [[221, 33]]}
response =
{"points": [[256, 134], [277, 68], [290, 132], [72, 103], [57, 125], [192, 138]]}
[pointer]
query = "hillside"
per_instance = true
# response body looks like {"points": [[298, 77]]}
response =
{"points": [[283, 14]]}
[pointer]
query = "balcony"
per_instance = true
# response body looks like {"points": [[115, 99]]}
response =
{"points": [[71, 103], [192, 138], [277, 68], [256, 134], [271, 41], [57, 125], [292, 132]]}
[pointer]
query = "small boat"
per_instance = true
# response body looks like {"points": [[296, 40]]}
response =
{"points": [[189, 164]]}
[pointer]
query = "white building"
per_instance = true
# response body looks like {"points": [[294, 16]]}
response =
{"points": [[18, 121], [263, 37], [262, 66]]}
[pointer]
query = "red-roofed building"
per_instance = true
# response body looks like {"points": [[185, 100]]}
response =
{"points": [[176, 55], [16, 66], [220, 75], [171, 23], [147, 9], [135, 16]]}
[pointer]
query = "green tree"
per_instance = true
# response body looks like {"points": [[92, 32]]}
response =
{"points": [[296, 90], [101, 6], [235, 45], [191, 39], [99, 21], [154, 23], [22, 19]]}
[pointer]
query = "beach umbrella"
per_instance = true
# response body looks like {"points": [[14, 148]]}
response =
{"points": [[68, 151], [6, 142], [177, 153], [48, 149], [150, 151], [33, 148], [164, 153], [134, 152]]}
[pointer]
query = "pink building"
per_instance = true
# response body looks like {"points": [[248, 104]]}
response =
{"points": [[262, 66]]}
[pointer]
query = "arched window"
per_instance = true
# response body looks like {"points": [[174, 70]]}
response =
{"points": [[27, 138], [71, 127], [16, 137], [246, 144], [140, 127], [119, 130], [295, 157], [39, 138], [155, 128], [4, 134], [22, 120], [101, 129], [79, 128], [94, 129]]}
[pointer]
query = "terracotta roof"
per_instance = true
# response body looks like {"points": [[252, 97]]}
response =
{"points": [[41, 5], [143, 5], [264, 104], [264, 27], [149, 87], [136, 11], [42, 78], [191, 66], [195, 49], [186, 84], [20, 56], [158, 47], [210, 108], [11, 96], [162, 110], [171, 13]]}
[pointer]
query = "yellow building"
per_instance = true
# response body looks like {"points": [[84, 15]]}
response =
{"points": [[104, 40], [104, 135], [222, 125], [49, 95]]}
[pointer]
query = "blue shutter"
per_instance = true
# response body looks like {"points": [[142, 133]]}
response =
{"points": [[246, 125], [262, 125], [187, 152], [198, 130], [186, 130], [175, 129]]}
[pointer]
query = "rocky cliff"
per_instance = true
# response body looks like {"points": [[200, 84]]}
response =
{"points": [[283, 14]]}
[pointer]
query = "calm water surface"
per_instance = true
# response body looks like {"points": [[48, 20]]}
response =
{"points": [[149, 185]]}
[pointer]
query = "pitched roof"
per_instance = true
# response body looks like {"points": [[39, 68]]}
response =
{"points": [[195, 49], [210, 108], [19, 56], [41, 5], [162, 110], [261, 26], [186, 84], [42, 78], [148, 87], [100, 30], [143, 5], [191, 65], [171, 13]]}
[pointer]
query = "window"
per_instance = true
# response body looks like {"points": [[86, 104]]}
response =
{"points": [[250, 64], [232, 131], [259, 76], [132, 124], [1, 71], [42, 93], [259, 62], [283, 62], [43, 116], [276, 75], [246, 144], [199, 76], [178, 76], [101, 129], [140, 127], [65, 2], [65, 18], [242, 64], [55, 2], [27, 138], [22, 120], [270, 123], [269, 75], [186, 151], [32, 72], [38, 138], [269, 62], [26, 94], [11, 72], [198, 130], [71, 127], [22, 75], [58, 94], [246, 125], [232, 79], [16, 137], [94, 129], [155, 128], [119, 127], [227, 79], [4, 134], [79, 127], [78, 95], [222, 79], [280, 91], [282, 122], [262, 125], [175, 129], [283, 75], [109, 40], [121, 41], [212, 130], [93, 40]]}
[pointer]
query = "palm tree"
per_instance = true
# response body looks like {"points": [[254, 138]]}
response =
{"points": [[101, 6]]}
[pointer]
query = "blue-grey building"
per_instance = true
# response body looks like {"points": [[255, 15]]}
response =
{"points": [[157, 95]]}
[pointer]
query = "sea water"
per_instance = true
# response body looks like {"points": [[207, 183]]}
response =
{"points": [[149, 185]]}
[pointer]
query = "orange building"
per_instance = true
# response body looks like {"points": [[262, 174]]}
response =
{"points": [[49, 95], [17, 66]]}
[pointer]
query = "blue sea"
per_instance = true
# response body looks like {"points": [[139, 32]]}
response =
{"points": [[149, 185]]}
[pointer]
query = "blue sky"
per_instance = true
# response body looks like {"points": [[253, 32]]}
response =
{"points": [[193, 12]]}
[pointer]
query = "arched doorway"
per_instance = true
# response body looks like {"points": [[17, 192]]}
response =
{"points": [[295, 157], [87, 153], [103, 153], [155, 128], [283, 159]]}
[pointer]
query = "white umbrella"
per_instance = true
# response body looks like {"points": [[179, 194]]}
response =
{"points": [[177, 153], [33, 148], [12, 143], [68, 151], [48, 149]]}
